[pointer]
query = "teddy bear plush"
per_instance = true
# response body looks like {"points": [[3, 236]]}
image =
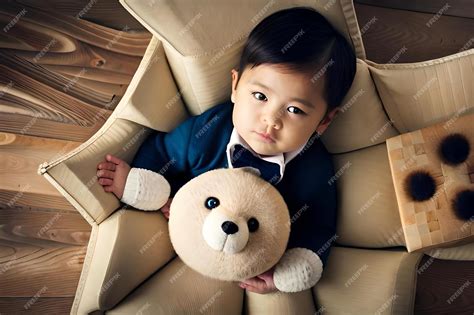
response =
{"points": [[229, 224]]}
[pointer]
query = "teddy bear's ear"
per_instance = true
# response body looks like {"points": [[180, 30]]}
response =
{"points": [[251, 170]]}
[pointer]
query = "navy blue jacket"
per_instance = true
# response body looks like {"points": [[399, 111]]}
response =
{"points": [[199, 144]]}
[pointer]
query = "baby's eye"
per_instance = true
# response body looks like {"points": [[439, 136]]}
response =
{"points": [[259, 96], [296, 110]]}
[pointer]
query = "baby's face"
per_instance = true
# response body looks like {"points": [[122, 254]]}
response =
{"points": [[285, 105]]}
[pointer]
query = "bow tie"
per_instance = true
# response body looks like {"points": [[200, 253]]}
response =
{"points": [[242, 157]]}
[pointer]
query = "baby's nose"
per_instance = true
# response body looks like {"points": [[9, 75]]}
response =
{"points": [[229, 227]]}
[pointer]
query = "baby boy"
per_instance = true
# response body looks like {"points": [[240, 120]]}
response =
{"points": [[294, 71]]}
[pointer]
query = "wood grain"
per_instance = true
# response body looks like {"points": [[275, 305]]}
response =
{"points": [[20, 157], [403, 36], [62, 77], [443, 281], [33, 305], [44, 128], [458, 8], [108, 13], [123, 42], [60, 71], [30, 267], [47, 75], [40, 100], [43, 226]]}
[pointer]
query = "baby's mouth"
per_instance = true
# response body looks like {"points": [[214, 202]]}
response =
{"points": [[265, 137]]}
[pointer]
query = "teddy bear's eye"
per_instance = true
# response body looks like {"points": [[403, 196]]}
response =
{"points": [[211, 203], [252, 224]]}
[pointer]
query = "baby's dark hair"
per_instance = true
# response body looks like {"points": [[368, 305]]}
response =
{"points": [[302, 40]]}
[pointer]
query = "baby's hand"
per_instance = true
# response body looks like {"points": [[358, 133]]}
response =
{"points": [[113, 174], [166, 209], [262, 284]]}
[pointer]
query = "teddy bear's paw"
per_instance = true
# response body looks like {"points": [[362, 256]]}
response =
{"points": [[145, 189], [299, 269]]}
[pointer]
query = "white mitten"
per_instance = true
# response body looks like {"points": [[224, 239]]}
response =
{"points": [[299, 269], [145, 189]]}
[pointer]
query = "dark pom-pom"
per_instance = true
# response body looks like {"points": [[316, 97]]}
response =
{"points": [[463, 204], [420, 186], [454, 149]]}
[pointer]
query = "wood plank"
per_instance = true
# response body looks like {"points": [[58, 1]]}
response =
{"points": [[38, 225], [445, 287], [30, 267], [20, 157], [109, 13], [406, 36], [85, 56], [40, 127], [46, 102], [56, 81], [115, 90], [123, 42], [100, 75], [36, 305], [459, 8]]}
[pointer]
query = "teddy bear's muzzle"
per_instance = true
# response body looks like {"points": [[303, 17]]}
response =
{"points": [[223, 232]]}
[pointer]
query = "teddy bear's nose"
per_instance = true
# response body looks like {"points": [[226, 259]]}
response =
{"points": [[229, 227]]}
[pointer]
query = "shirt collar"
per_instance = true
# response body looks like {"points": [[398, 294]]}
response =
{"points": [[281, 159]]}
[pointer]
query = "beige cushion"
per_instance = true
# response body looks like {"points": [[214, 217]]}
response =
{"points": [[362, 121], [358, 281], [367, 207], [203, 39], [417, 95], [151, 100], [462, 252], [178, 289], [123, 251], [74, 174]]}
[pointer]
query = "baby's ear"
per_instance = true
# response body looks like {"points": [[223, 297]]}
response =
{"points": [[251, 170]]}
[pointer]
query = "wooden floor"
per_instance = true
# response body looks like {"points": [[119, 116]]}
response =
{"points": [[60, 79]]}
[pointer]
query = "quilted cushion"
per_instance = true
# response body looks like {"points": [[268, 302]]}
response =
{"points": [[367, 208], [202, 46], [420, 94], [362, 121]]}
